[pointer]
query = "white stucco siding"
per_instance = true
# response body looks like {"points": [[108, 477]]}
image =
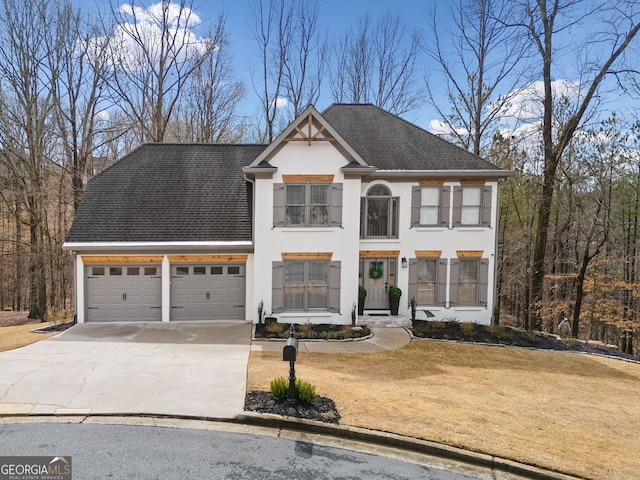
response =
{"points": [[320, 158], [448, 240]]}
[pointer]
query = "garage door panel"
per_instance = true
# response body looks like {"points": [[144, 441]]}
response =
{"points": [[123, 293], [208, 292]]}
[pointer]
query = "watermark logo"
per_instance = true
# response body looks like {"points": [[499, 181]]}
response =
{"points": [[35, 468]]}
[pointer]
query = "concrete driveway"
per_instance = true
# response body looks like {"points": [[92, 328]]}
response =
{"points": [[147, 368]]}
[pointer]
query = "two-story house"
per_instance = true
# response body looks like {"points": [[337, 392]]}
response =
{"points": [[350, 197]]}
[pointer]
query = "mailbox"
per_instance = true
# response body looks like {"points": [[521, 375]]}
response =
{"points": [[290, 350]]}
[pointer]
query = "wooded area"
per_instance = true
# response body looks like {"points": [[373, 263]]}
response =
{"points": [[542, 87]]}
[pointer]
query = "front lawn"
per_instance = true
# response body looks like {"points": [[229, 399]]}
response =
{"points": [[564, 411]]}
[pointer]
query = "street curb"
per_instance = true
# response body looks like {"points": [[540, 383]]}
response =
{"points": [[399, 441], [364, 435]]}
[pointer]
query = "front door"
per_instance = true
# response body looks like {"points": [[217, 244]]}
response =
{"points": [[376, 282]]}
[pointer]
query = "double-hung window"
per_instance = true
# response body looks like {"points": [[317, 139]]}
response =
{"points": [[471, 206], [306, 285], [468, 281], [307, 205], [430, 205], [313, 204], [427, 284]]}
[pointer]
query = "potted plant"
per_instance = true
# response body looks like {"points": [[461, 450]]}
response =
{"points": [[362, 295], [394, 299]]}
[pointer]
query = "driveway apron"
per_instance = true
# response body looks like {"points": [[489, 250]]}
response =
{"points": [[196, 369]]}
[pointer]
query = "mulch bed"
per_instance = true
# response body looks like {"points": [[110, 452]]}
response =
{"points": [[506, 335], [322, 331], [323, 409]]}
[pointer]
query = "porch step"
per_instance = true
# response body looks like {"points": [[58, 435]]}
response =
{"points": [[378, 321]]}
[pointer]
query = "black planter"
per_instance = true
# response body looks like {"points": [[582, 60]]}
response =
{"points": [[361, 306], [395, 304]]}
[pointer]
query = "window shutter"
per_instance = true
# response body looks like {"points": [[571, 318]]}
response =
{"points": [[457, 206], [486, 206], [445, 205], [279, 196], [413, 279], [455, 279], [334, 287], [336, 205], [483, 282], [416, 192], [442, 282], [277, 287]]}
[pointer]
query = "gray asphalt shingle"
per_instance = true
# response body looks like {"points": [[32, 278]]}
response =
{"points": [[388, 142], [169, 193]]}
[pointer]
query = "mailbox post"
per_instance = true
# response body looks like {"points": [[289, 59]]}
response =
{"points": [[289, 354]]}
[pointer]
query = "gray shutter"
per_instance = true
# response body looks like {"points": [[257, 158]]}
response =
{"points": [[445, 205], [457, 206], [279, 197], [334, 287], [413, 279], [483, 282], [416, 193], [442, 282], [277, 287], [336, 205], [486, 206], [455, 279]]}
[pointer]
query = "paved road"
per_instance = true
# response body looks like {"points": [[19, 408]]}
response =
{"points": [[101, 451]]}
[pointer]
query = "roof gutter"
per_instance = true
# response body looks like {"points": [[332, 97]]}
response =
{"points": [[442, 174], [244, 246]]}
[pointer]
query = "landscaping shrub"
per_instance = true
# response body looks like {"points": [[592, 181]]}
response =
{"points": [[279, 388], [467, 329], [305, 391]]}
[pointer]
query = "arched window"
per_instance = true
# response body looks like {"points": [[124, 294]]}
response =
{"points": [[379, 214]]}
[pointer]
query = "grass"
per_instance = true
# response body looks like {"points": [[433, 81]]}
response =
{"points": [[577, 414], [20, 335]]}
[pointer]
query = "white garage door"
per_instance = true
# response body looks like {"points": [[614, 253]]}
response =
{"points": [[118, 293], [207, 292]]}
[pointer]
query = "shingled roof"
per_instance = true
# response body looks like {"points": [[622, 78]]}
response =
{"points": [[169, 193], [388, 142]]}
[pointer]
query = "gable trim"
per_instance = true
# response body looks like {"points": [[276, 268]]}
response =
{"points": [[308, 115]]}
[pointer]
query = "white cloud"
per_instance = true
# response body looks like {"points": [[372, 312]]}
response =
{"points": [[525, 105], [439, 127], [146, 27], [280, 102]]}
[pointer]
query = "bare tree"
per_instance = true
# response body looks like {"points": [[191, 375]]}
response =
{"points": [[478, 61], [154, 52], [273, 32], [209, 112], [376, 64], [26, 72], [78, 93], [544, 21]]}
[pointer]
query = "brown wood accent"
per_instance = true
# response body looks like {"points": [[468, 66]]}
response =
{"points": [[208, 258], [122, 258], [379, 253], [430, 181], [309, 136], [469, 253], [307, 178], [307, 255], [473, 181], [428, 253]]}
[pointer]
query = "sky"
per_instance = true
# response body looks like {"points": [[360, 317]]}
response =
{"points": [[337, 16]]}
